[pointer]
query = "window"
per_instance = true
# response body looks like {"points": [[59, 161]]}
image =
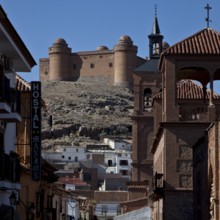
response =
{"points": [[123, 162], [69, 158], [124, 172], [156, 49], [77, 149], [76, 159], [110, 65], [92, 65], [87, 176], [110, 163], [147, 100], [2, 143], [49, 201], [63, 156]]}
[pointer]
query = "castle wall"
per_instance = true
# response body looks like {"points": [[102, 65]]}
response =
{"points": [[44, 69], [95, 64], [59, 63], [125, 63], [116, 67], [83, 64]]}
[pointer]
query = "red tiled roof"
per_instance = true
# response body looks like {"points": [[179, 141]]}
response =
{"points": [[204, 42], [188, 89], [75, 181]]}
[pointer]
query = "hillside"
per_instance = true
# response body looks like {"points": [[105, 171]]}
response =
{"points": [[85, 111]]}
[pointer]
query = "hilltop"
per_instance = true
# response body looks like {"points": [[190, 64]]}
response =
{"points": [[85, 111]]}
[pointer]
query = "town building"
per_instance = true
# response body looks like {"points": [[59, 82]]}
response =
{"points": [[206, 174], [173, 109], [14, 58], [114, 155]]}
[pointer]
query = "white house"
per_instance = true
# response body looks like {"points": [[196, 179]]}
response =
{"points": [[118, 144], [116, 153], [118, 161], [65, 154]]}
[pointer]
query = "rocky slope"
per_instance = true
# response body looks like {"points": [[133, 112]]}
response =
{"points": [[84, 111]]}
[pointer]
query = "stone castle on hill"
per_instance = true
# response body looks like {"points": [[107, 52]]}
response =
{"points": [[116, 65]]}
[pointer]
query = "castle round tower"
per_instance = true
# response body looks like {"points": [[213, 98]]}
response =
{"points": [[125, 60], [60, 61]]}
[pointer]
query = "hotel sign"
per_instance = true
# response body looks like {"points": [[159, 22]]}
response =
{"points": [[35, 142]]}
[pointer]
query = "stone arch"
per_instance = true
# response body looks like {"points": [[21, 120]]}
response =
{"points": [[216, 79], [194, 72]]}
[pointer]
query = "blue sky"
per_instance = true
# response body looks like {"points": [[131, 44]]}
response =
{"points": [[87, 24]]}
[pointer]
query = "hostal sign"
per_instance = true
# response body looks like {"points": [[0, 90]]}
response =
{"points": [[35, 130]]}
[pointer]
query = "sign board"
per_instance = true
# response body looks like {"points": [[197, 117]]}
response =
{"points": [[35, 142]]}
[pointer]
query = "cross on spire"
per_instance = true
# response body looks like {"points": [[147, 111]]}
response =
{"points": [[207, 7], [155, 8]]}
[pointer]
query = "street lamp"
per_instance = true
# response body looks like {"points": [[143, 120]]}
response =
{"points": [[31, 210], [12, 199]]}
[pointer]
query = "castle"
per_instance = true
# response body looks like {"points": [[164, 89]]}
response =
{"points": [[115, 65]]}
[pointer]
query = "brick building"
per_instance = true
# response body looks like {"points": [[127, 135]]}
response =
{"points": [[172, 110]]}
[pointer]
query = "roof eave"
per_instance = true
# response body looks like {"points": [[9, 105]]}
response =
{"points": [[23, 58]]}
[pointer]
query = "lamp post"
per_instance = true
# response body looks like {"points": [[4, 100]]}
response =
{"points": [[31, 210], [12, 199]]}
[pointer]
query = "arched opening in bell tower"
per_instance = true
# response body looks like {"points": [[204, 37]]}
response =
{"points": [[147, 100]]}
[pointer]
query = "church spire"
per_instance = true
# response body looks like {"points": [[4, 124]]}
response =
{"points": [[156, 29], [155, 39]]}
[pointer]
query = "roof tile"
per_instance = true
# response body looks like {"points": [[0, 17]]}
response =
{"points": [[188, 89], [204, 42]]}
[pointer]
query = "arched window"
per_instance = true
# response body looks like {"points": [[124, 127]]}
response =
{"points": [[147, 100], [156, 48]]}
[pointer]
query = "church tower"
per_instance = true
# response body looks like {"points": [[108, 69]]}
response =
{"points": [[147, 83], [155, 40]]}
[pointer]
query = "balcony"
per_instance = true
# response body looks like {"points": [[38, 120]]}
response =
{"points": [[13, 103], [157, 187], [9, 171], [193, 112], [4, 94]]}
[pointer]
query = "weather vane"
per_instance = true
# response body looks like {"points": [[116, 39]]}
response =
{"points": [[207, 7]]}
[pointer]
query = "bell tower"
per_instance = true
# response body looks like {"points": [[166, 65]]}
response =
{"points": [[147, 83], [155, 39]]}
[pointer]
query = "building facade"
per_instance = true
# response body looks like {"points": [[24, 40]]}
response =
{"points": [[15, 57], [187, 110]]}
